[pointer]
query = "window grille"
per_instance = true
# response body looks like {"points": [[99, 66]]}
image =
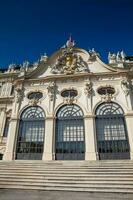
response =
{"points": [[31, 134], [112, 139], [70, 137]]}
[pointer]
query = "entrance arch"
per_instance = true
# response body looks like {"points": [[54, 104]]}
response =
{"points": [[31, 132], [111, 132], [69, 133]]}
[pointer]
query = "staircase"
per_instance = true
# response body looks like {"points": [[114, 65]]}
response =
{"points": [[89, 176]]}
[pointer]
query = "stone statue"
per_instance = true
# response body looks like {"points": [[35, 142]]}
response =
{"points": [[118, 57], [125, 85], [111, 58], [44, 57], [123, 55], [11, 67]]}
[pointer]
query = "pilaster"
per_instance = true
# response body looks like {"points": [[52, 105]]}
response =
{"points": [[129, 123], [10, 150], [48, 142], [90, 142]]}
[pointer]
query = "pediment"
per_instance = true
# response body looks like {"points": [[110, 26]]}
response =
{"points": [[70, 60]]}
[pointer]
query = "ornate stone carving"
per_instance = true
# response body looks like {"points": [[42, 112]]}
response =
{"points": [[51, 90], [18, 93], [33, 102], [116, 58], [69, 100], [69, 62], [93, 54], [125, 85], [12, 67], [107, 92], [35, 97], [69, 95], [24, 66], [88, 89], [44, 57], [107, 97]]}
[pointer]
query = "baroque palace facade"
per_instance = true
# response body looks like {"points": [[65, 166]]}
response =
{"points": [[69, 106]]}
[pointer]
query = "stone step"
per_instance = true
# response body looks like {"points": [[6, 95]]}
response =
{"points": [[107, 190], [66, 168], [69, 185], [53, 171], [93, 178], [68, 176], [68, 173], [47, 181], [47, 176], [68, 163]]}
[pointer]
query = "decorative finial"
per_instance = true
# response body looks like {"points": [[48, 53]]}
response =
{"points": [[70, 42]]}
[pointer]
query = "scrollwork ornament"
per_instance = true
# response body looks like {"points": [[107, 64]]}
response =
{"points": [[33, 102], [107, 97], [69, 100]]}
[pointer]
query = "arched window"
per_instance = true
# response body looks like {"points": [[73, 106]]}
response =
{"points": [[31, 134], [69, 136], [112, 141]]}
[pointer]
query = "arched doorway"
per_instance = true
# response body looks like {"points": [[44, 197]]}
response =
{"points": [[111, 132], [69, 135], [31, 132]]}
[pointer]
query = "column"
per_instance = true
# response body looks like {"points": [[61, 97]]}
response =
{"points": [[129, 123], [48, 141], [10, 150], [90, 141]]}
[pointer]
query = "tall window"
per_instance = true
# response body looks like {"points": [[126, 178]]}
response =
{"points": [[70, 138], [6, 129], [31, 134], [112, 141]]}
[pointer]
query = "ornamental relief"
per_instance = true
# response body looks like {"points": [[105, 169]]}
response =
{"points": [[69, 95], [18, 93], [69, 62], [107, 93], [35, 96], [88, 89]]}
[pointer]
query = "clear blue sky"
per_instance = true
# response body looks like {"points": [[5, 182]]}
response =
{"points": [[29, 28]]}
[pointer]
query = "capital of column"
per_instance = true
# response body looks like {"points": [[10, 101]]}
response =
{"points": [[89, 116], [50, 117], [129, 114]]}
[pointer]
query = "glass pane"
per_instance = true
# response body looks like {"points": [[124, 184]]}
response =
{"points": [[111, 129], [70, 133], [31, 134]]}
